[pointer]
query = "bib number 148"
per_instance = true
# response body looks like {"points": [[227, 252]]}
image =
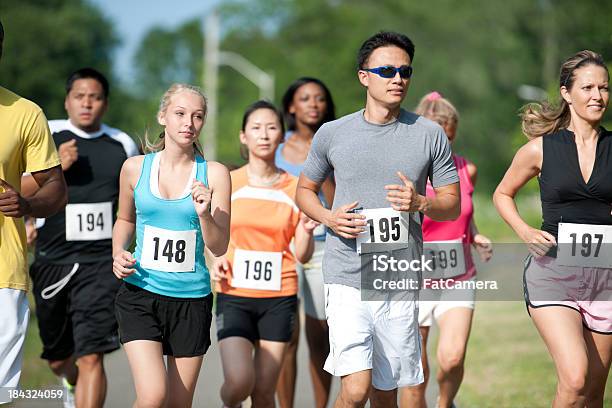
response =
{"points": [[175, 252], [167, 250]]}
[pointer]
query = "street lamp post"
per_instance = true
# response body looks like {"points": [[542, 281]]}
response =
{"points": [[213, 59]]}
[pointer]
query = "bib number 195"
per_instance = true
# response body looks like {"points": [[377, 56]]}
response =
{"points": [[387, 229]]}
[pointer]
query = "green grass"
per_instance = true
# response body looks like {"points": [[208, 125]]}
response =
{"points": [[507, 364]]}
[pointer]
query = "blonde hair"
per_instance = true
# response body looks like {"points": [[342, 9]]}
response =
{"points": [[539, 119], [435, 107], [150, 146]]}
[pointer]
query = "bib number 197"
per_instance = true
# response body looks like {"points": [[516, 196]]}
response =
{"points": [[581, 245]]}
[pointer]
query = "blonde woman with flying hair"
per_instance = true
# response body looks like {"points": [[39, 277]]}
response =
{"points": [[452, 309], [567, 274], [177, 203]]}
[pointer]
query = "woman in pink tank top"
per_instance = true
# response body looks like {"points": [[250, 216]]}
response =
{"points": [[450, 242]]}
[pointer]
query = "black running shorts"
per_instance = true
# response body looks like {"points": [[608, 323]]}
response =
{"points": [[79, 319], [182, 325], [255, 319]]}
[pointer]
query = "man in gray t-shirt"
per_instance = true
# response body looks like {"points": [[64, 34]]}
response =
{"points": [[381, 158]]}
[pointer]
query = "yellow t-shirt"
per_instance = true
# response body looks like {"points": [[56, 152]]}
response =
{"points": [[25, 146]]}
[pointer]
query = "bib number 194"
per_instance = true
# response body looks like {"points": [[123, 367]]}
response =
{"points": [[89, 222]]}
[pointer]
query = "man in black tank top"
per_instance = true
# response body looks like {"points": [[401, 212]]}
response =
{"points": [[73, 283]]}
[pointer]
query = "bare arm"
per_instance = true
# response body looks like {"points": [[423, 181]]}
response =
{"points": [[123, 230], [329, 190], [445, 206], [28, 185], [216, 222], [48, 200], [481, 243], [68, 153], [527, 164], [346, 225], [304, 243]]}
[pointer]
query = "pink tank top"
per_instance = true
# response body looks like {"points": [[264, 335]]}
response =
{"points": [[459, 228]]}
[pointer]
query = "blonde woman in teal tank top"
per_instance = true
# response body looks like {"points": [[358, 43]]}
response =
{"points": [[177, 203]]}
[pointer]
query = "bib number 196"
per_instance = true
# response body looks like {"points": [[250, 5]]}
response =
{"points": [[257, 269]]}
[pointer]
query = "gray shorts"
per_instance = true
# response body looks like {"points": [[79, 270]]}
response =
{"points": [[311, 283]]}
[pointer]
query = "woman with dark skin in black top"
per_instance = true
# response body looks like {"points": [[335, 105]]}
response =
{"points": [[569, 300]]}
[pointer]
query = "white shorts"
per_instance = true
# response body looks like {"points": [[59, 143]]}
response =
{"points": [[381, 336], [442, 301], [14, 315], [313, 292]]}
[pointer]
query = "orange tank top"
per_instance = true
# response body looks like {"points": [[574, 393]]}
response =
{"points": [[262, 227]]}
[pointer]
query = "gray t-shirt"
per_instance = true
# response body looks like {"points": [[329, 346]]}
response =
{"points": [[365, 157]]}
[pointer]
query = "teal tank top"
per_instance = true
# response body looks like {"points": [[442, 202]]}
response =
{"points": [[169, 244]]}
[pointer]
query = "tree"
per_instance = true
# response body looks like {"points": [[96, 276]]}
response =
{"points": [[476, 53], [46, 41]]}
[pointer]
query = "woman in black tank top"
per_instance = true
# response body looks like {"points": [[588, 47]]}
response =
{"points": [[571, 154]]}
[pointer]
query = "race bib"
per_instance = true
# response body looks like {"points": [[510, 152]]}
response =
{"points": [[584, 245], [385, 226], [448, 258], [257, 270], [89, 222], [168, 251]]}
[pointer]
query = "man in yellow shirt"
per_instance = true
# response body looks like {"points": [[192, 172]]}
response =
{"points": [[25, 145]]}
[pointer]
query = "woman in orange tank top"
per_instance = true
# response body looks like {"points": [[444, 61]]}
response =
{"points": [[257, 279]]}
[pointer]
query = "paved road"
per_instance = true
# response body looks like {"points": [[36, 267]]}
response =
{"points": [[121, 388]]}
